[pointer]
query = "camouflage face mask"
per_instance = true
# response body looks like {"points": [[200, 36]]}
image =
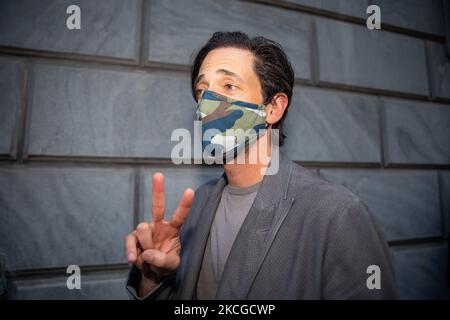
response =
{"points": [[228, 125]]}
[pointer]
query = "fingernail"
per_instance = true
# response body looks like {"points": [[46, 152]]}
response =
{"points": [[130, 257]]}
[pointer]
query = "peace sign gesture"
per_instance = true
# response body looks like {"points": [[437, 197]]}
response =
{"points": [[155, 247]]}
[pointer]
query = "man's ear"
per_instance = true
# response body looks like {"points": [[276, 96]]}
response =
{"points": [[276, 108]]}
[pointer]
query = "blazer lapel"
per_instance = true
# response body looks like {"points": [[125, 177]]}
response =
{"points": [[256, 234], [195, 247]]}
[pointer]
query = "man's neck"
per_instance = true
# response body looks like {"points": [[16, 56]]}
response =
{"points": [[243, 175]]}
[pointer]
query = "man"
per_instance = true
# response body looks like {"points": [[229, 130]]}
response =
{"points": [[250, 234]]}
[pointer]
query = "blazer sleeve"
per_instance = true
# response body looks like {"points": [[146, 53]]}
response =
{"points": [[356, 249], [163, 291]]}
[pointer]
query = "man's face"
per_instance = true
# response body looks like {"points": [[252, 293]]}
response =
{"points": [[229, 71]]}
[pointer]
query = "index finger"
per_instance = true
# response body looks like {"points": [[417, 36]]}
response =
{"points": [[158, 199], [182, 211]]}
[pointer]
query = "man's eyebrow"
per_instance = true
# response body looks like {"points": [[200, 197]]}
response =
{"points": [[229, 73], [223, 71]]}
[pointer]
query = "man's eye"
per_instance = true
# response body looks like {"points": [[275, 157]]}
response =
{"points": [[230, 86]]}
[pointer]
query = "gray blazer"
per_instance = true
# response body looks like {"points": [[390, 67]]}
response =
{"points": [[303, 238]]}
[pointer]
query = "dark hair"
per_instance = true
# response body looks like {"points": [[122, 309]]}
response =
{"points": [[271, 65]]}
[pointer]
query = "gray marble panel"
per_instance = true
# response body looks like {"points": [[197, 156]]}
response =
{"points": [[421, 273], [355, 8], [419, 15], [439, 70], [11, 83], [444, 179], [55, 217], [103, 286], [417, 132], [178, 28], [108, 27], [354, 55], [96, 112], [332, 126]]}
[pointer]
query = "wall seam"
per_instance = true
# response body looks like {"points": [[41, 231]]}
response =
{"points": [[24, 113]]}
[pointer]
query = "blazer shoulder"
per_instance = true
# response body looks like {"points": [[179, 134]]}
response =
{"points": [[328, 205], [308, 186]]}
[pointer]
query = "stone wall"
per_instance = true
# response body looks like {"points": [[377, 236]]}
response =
{"points": [[86, 117]]}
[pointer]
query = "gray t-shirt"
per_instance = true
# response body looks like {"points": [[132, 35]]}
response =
{"points": [[234, 206]]}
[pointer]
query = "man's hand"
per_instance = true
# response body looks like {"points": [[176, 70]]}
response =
{"points": [[155, 247]]}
